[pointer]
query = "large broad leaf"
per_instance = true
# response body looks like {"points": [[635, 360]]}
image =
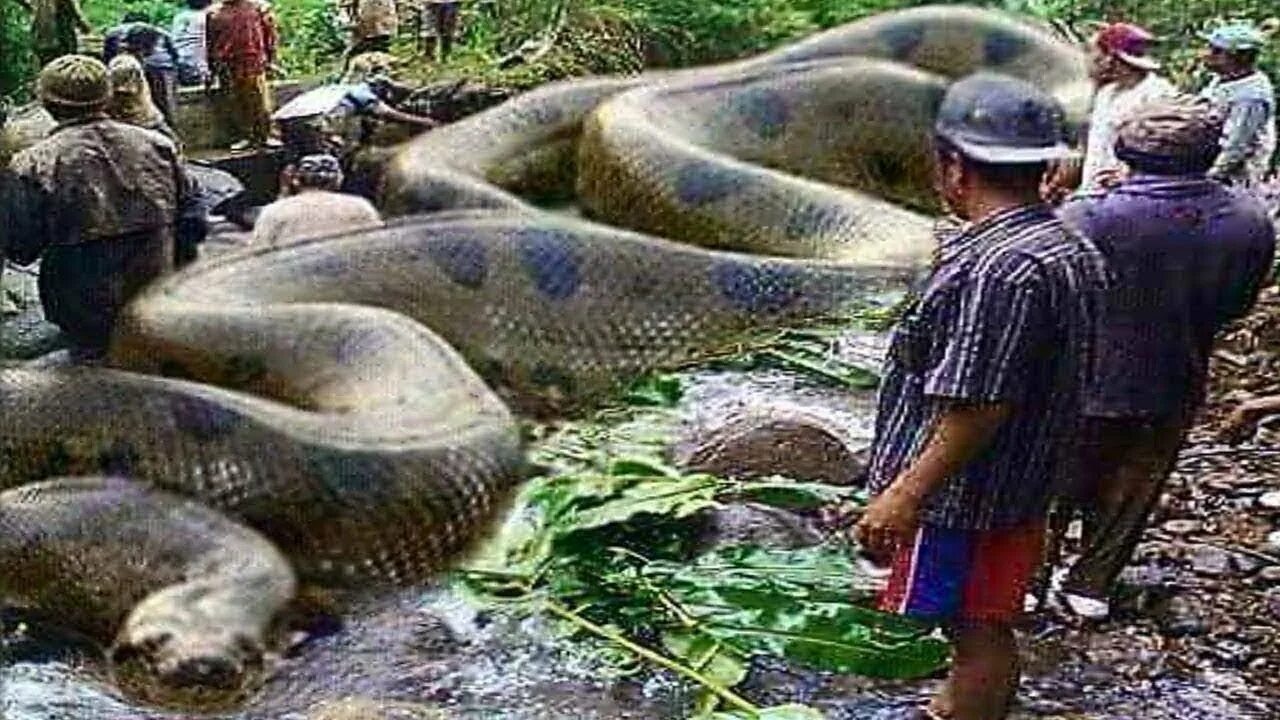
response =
{"points": [[799, 605], [709, 657], [780, 712], [784, 493]]}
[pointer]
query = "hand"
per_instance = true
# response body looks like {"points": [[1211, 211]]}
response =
{"points": [[1112, 176], [1061, 180], [1244, 418], [890, 520]]}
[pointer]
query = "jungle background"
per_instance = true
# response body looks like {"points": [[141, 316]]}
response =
{"points": [[560, 38]]}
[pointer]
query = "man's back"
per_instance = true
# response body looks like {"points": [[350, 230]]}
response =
{"points": [[311, 213], [241, 36], [1188, 255], [102, 179]]}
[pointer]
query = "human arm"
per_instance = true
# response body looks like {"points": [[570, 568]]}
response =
{"points": [[1246, 415], [270, 35], [23, 218], [1239, 134], [385, 111], [78, 16], [962, 432]]}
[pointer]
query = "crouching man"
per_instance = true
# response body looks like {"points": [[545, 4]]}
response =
{"points": [[96, 202], [979, 399]]}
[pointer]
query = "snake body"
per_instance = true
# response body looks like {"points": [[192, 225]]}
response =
{"points": [[321, 407]]}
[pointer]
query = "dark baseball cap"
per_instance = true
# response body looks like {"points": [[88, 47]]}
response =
{"points": [[998, 119]]}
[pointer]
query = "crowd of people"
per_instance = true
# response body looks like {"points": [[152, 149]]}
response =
{"points": [[1052, 363], [1054, 357]]}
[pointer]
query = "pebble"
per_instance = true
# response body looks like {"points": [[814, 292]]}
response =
{"points": [[1182, 527], [1184, 617], [1273, 542], [1273, 602], [1271, 500], [1269, 575]]}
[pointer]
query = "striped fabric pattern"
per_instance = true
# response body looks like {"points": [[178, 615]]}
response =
{"points": [[1007, 315]]}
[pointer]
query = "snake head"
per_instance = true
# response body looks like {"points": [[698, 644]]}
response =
{"points": [[191, 665]]}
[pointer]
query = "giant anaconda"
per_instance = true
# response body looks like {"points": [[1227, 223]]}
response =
{"points": [[311, 410]]}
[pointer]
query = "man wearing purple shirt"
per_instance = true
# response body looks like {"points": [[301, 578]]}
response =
{"points": [[1188, 254]]}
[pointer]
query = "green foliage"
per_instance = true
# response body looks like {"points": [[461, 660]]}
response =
{"points": [[607, 541], [17, 66]]}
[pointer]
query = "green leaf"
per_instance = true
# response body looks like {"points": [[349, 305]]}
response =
{"points": [[655, 390], [778, 712], [794, 495], [711, 658]]}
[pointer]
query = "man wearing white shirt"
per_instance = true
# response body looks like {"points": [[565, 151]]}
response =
{"points": [[1125, 74]]}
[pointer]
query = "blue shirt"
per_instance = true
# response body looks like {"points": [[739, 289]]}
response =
{"points": [[1006, 316], [1188, 255]]}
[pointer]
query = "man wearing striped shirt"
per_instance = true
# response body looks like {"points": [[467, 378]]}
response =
{"points": [[979, 399]]}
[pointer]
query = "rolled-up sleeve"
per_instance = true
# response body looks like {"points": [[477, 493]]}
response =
{"points": [[992, 336]]}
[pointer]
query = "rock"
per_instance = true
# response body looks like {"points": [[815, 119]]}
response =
{"points": [[1270, 501], [1182, 527], [1184, 617], [761, 442], [1272, 599], [751, 523], [1232, 653], [369, 709], [1213, 561], [1269, 576], [1273, 542]]}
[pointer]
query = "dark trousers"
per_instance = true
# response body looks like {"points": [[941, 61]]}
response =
{"points": [[1123, 467]]}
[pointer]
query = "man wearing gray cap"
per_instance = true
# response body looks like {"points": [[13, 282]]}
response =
{"points": [[979, 399], [1248, 99], [313, 205]]}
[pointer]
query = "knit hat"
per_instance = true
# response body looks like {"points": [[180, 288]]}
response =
{"points": [[318, 170], [74, 82], [1171, 136]]}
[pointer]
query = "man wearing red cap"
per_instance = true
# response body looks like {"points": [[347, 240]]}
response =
{"points": [[1120, 64]]}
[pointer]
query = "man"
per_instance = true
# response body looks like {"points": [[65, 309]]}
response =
{"points": [[444, 26], [154, 48], [1247, 97], [131, 100], [1188, 255], [188, 33], [53, 27], [980, 391], [242, 47], [96, 202], [313, 205], [375, 23], [310, 123], [1120, 66]]}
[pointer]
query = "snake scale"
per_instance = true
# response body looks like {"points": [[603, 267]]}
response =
{"points": [[321, 411]]}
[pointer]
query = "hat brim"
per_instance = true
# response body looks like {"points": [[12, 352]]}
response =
{"points": [[1006, 155], [1139, 61]]}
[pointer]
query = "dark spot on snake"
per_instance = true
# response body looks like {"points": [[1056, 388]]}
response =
{"points": [[902, 40], [699, 183], [764, 111], [245, 370], [551, 377], [330, 265], [463, 260], [549, 258], [201, 419], [118, 458], [886, 168], [348, 475], [1001, 46], [360, 343], [756, 288]]}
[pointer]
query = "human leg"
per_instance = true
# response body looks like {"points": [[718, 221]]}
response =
{"points": [[973, 581], [1131, 461]]}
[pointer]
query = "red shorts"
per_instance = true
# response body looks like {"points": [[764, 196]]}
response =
{"points": [[949, 575]]}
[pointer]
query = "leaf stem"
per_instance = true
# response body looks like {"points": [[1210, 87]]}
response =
{"points": [[725, 694]]}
